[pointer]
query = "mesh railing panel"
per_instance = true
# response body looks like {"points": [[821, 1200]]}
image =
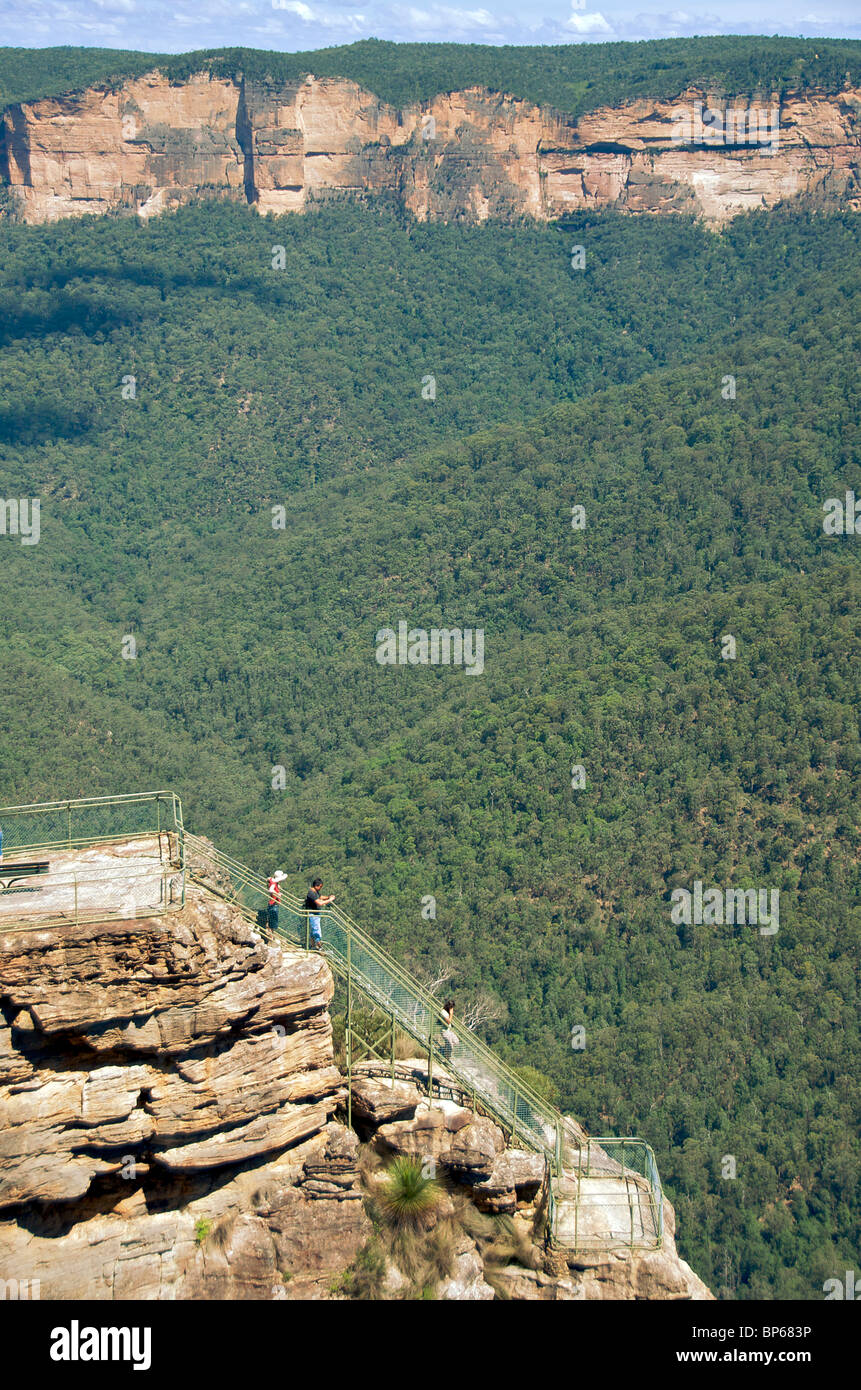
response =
{"points": [[96, 895], [386, 984], [90, 820], [609, 1195]]}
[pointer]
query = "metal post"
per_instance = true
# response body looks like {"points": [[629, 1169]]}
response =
{"points": [[69, 821], [393, 1050], [631, 1210], [514, 1126], [349, 1036]]}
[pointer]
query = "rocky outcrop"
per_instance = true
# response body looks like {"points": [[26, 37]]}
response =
{"points": [[642, 1274], [155, 1076], [150, 144], [167, 1099], [471, 1151]]}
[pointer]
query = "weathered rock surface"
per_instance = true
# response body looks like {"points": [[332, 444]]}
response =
{"points": [[141, 1063], [640, 1274], [515, 1179], [265, 1231], [466, 1283], [378, 1100], [150, 144], [464, 1142]]}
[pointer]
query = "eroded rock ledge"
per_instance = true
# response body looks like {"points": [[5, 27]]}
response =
{"points": [[155, 1076], [151, 144], [503, 1181]]}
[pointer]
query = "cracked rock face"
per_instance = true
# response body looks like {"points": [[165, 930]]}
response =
{"points": [[182, 1042], [142, 1064], [149, 145]]}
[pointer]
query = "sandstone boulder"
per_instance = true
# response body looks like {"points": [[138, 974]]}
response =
{"points": [[464, 1142], [379, 1100]]}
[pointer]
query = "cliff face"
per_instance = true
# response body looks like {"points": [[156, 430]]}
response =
{"points": [[166, 1093], [471, 154]]}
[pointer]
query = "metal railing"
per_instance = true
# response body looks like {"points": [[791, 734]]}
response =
{"points": [[87, 821], [99, 890], [70, 897], [628, 1163], [357, 957], [609, 1194]]}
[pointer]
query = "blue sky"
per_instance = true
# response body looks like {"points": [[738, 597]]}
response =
{"points": [[171, 26]]}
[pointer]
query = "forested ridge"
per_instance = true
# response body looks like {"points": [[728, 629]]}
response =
{"points": [[570, 77], [606, 388]]}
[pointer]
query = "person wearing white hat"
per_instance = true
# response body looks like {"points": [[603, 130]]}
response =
{"points": [[274, 898]]}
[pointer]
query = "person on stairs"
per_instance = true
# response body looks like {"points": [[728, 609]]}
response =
{"points": [[449, 1037], [314, 903], [274, 898]]}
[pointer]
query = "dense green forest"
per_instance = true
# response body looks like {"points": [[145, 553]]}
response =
{"points": [[571, 77], [607, 388]]}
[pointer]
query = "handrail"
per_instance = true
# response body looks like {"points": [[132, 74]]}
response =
{"points": [[76, 897], [430, 1001], [81, 801], [88, 820], [426, 1007]]}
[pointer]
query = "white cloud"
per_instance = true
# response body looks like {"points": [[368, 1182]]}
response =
{"points": [[588, 23], [321, 17], [295, 7], [440, 14]]}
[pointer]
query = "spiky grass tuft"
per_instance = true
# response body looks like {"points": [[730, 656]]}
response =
{"points": [[407, 1193]]}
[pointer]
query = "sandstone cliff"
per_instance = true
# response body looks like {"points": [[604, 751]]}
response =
{"points": [[167, 1098], [151, 144], [162, 1082]]}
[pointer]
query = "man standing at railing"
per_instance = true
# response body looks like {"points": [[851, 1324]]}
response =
{"points": [[314, 903], [274, 898]]}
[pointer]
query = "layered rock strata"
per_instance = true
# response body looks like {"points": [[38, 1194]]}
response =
{"points": [[151, 144], [162, 1079]]}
